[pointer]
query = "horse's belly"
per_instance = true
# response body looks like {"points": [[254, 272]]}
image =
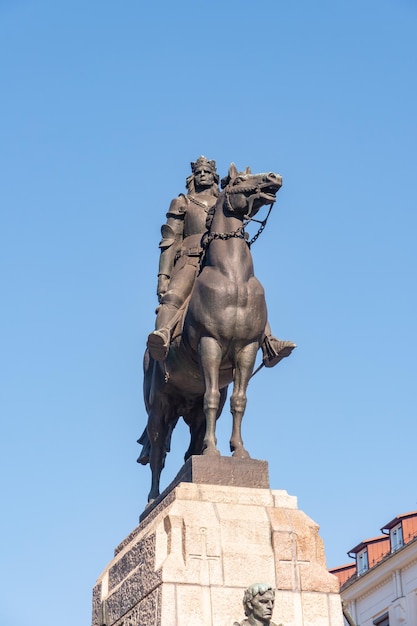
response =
{"points": [[184, 373]]}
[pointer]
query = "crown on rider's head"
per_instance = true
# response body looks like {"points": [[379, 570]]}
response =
{"points": [[211, 165]]}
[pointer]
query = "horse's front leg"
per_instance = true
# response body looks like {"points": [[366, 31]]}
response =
{"points": [[210, 354], [245, 360]]}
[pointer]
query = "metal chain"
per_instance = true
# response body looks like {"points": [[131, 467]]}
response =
{"points": [[261, 228], [198, 202], [240, 232]]}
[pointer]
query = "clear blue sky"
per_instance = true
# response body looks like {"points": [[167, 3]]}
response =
{"points": [[103, 105]]}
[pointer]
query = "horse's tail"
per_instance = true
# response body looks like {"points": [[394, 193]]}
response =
{"points": [[151, 382], [144, 441]]}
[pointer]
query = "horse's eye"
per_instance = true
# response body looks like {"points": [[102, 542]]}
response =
{"points": [[238, 179]]}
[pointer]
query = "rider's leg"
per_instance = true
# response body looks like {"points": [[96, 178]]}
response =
{"points": [[171, 302], [158, 340], [180, 286], [273, 349]]}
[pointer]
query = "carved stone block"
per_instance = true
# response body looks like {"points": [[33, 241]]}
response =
{"points": [[190, 559]]}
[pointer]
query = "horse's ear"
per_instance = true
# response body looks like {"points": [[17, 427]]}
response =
{"points": [[248, 170], [233, 171]]}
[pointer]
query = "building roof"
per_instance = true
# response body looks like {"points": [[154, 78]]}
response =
{"points": [[377, 554], [333, 570], [363, 544], [398, 519]]}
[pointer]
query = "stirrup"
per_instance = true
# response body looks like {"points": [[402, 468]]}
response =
{"points": [[274, 350]]}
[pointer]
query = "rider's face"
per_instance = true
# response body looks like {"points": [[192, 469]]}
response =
{"points": [[203, 177]]}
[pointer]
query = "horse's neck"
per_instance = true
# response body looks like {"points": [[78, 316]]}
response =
{"points": [[223, 222], [229, 254]]}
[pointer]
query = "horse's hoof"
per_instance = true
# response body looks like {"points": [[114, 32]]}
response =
{"points": [[241, 453], [151, 499], [211, 451]]}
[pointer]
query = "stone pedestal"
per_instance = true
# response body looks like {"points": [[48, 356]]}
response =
{"points": [[192, 555]]}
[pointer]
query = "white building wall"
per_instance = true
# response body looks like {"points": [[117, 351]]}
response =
{"points": [[374, 603]]}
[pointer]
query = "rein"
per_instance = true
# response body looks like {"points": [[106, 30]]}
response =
{"points": [[239, 233], [261, 227]]}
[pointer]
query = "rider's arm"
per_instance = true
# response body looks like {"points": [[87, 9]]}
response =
{"points": [[172, 236]]}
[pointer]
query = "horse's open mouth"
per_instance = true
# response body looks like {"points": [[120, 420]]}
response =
{"points": [[270, 191]]}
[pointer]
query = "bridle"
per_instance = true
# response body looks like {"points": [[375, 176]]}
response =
{"points": [[240, 233]]}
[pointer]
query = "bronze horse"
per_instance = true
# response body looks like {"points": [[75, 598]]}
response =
{"points": [[223, 329]]}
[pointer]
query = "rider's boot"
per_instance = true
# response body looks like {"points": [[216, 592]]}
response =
{"points": [[167, 316], [274, 350], [158, 344]]}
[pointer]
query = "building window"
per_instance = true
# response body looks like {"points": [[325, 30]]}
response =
{"points": [[382, 620], [362, 565], [396, 536]]}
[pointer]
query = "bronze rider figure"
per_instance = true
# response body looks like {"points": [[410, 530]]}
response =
{"points": [[188, 219]]}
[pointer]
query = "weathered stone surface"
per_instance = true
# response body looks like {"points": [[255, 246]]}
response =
{"points": [[222, 470], [314, 578], [283, 500], [148, 612], [301, 563], [150, 513], [141, 555], [126, 564], [189, 561], [96, 604], [217, 494]]}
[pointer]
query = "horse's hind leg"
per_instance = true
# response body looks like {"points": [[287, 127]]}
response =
{"points": [[245, 360], [196, 421], [157, 432], [210, 358]]}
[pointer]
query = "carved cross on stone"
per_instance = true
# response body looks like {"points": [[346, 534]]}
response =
{"points": [[204, 558], [295, 563]]}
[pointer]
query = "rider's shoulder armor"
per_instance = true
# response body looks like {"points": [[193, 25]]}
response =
{"points": [[168, 236], [178, 206]]}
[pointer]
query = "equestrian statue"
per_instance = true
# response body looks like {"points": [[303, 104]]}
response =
{"points": [[212, 316]]}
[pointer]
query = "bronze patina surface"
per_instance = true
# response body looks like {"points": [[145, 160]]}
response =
{"points": [[212, 317], [258, 604]]}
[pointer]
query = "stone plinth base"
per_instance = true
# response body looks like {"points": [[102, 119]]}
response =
{"points": [[192, 556], [221, 470]]}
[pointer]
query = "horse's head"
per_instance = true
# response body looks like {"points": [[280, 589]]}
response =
{"points": [[245, 193]]}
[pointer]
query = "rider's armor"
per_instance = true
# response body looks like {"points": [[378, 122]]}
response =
{"points": [[194, 215], [180, 258], [188, 219]]}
